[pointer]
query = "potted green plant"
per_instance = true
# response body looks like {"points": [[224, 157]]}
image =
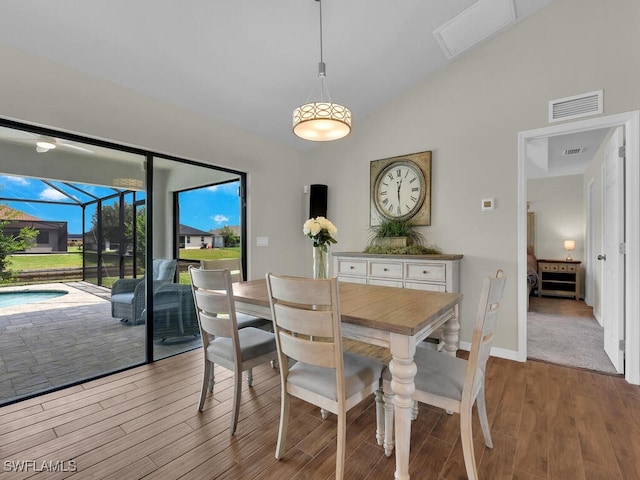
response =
{"points": [[395, 233]]}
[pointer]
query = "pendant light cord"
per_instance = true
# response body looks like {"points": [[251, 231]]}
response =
{"points": [[321, 57], [322, 68]]}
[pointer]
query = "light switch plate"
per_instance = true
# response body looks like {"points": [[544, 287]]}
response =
{"points": [[262, 241]]}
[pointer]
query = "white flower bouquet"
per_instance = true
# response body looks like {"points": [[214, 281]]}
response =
{"points": [[321, 231]]}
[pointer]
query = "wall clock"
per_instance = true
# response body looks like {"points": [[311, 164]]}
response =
{"points": [[400, 189]]}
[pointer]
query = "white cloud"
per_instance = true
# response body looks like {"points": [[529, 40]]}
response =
{"points": [[225, 188], [52, 194], [220, 218], [16, 180]]}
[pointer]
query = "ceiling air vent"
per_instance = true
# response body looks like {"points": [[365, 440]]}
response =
{"points": [[477, 23], [572, 151], [577, 106]]}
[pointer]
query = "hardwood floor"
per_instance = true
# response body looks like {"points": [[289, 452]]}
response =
{"points": [[547, 422]]}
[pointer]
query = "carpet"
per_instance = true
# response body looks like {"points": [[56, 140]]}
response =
{"points": [[564, 332]]}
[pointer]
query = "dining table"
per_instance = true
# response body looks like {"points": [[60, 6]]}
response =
{"points": [[394, 318]]}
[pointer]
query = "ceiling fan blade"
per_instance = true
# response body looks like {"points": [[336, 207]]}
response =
{"points": [[75, 147], [12, 133]]}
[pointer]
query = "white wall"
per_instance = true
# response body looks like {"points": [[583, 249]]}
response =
{"points": [[558, 203], [469, 116], [40, 92]]}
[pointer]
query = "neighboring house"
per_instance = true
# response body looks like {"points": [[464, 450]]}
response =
{"points": [[191, 238], [218, 239], [74, 239], [52, 236]]}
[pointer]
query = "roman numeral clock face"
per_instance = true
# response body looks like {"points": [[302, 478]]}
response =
{"points": [[399, 190]]}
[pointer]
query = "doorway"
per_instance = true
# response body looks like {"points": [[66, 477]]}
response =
{"points": [[631, 281]]}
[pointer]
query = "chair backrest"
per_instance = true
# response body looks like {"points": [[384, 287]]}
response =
{"points": [[233, 264], [483, 333], [306, 318], [213, 298], [164, 269]]}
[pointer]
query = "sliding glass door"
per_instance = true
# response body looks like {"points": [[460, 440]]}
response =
{"points": [[104, 234], [197, 214]]}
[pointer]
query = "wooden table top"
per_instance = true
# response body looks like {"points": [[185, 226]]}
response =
{"points": [[398, 310]]}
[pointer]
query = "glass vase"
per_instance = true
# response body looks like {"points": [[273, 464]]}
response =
{"points": [[320, 262]]}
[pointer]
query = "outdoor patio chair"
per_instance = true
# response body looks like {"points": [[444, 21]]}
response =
{"points": [[174, 313], [128, 294]]}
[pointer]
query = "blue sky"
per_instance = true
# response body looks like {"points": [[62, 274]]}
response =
{"points": [[210, 208], [205, 209]]}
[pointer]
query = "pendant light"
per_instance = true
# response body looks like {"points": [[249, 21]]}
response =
{"points": [[324, 120]]}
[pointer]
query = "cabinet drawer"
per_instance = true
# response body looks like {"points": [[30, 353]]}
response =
{"points": [[385, 269], [352, 267], [566, 268], [385, 283], [426, 271], [558, 267], [431, 287]]}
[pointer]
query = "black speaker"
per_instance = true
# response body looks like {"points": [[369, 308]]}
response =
{"points": [[317, 201]]}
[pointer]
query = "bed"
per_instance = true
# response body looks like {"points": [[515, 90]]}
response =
{"points": [[532, 270]]}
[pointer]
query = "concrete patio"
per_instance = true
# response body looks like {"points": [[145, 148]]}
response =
{"points": [[49, 344]]}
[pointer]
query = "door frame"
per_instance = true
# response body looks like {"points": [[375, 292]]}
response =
{"points": [[589, 292], [631, 123]]}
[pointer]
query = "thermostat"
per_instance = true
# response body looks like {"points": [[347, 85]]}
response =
{"points": [[488, 204]]}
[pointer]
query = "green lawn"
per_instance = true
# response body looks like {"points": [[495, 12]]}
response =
{"points": [[72, 260], [44, 261], [209, 253]]}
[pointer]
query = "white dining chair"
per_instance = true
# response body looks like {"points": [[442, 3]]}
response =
{"points": [[223, 343], [235, 269], [306, 317], [455, 384]]}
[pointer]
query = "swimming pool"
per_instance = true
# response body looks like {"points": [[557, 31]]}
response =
{"points": [[20, 297]]}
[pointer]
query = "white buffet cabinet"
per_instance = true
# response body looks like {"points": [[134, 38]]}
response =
{"points": [[440, 273]]}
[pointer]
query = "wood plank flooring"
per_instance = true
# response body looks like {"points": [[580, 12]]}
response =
{"points": [[547, 422]]}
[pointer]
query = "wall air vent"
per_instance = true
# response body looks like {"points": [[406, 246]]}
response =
{"points": [[583, 105], [572, 151]]}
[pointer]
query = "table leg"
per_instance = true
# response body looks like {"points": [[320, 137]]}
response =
{"points": [[451, 333], [403, 372]]}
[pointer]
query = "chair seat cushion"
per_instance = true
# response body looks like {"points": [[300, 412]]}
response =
{"points": [[253, 343], [123, 298], [359, 372], [438, 373], [245, 321]]}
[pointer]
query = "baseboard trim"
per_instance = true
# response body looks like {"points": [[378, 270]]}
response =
{"points": [[495, 352]]}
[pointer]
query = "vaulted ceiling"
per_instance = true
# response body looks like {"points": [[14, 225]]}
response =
{"points": [[250, 63]]}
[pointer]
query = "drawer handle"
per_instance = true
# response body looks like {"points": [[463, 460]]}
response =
{"points": [[352, 267], [424, 272], [385, 269]]}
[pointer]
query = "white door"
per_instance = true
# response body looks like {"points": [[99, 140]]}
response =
{"points": [[612, 258]]}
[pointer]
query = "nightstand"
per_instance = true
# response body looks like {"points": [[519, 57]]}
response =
{"points": [[559, 277]]}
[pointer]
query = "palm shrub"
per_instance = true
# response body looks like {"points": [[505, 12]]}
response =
{"points": [[396, 228]]}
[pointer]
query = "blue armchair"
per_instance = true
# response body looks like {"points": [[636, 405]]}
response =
{"points": [[128, 294]]}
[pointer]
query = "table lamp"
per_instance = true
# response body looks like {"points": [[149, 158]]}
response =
{"points": [[569, 246]]}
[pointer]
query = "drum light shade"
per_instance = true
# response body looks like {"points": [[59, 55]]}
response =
{"points": [[321, 121]]}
